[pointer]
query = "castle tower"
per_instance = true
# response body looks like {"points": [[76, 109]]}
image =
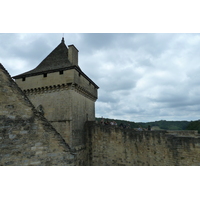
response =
{"points": [[59, 89]]}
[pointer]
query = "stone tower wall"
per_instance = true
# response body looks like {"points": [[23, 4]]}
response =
{"points": [[56, 79], [83, 110], [67, 100], [55, 105], [86, 85], [39, 81]]}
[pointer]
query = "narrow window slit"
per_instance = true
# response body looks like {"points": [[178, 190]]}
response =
{"points": [[45, 75]]}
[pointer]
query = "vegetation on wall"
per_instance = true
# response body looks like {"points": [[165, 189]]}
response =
{"points": [[157, 125], [118, 121]]}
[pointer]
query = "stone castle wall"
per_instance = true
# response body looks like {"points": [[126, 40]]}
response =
{"points": [[55, 105], [26, 137], [66, 100], [111, 146]]}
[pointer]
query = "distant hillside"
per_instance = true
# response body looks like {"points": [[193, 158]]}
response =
{"points": [[194, 125], [157, 125], [166, 125]]}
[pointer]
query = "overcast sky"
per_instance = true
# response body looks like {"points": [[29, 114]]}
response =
{"points": [[142, 77]]}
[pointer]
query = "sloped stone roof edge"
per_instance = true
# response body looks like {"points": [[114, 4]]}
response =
{"points": [[36, 113]]}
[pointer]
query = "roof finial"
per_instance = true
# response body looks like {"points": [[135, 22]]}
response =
{"points": [[62, 41]]}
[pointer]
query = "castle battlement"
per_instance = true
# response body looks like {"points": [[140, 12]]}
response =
{"points": [[57, 88]]}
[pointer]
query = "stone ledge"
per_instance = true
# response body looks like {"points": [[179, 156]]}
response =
{"points": [[59, 87]]}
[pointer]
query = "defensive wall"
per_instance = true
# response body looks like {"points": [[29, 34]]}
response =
{"points": [[113, 146]]}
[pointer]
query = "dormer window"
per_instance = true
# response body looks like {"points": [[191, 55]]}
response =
{"points": [[45, 75]]}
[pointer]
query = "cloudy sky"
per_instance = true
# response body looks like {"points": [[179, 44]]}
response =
{"points": [[142, 77]]}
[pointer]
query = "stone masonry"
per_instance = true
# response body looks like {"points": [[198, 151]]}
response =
{"points": [[26, 137], [111, 146]]}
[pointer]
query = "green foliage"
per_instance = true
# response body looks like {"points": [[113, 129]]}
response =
{"points": [[157, 125], [194, 125], [167, 125]]}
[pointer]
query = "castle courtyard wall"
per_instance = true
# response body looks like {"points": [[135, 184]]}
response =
{"points": [[111, 146]]}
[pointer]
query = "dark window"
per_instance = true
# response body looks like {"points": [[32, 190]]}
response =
{"points": [[24, 78], [79, 74], [60, 72], [45, 75]]}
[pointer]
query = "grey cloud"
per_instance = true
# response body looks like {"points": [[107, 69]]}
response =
{"points": [[107, 97], [98, 40], [142, 77], [122, 83]]}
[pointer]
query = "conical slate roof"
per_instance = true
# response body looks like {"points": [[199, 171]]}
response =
{"points": [[57, 59]]}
